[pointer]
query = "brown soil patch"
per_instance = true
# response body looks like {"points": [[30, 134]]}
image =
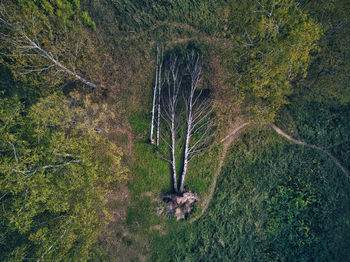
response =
{"points": [[118, 242]]}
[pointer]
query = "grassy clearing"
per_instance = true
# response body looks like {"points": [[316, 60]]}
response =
{"points": [[274, 201], [134, 53], [152, 174]]}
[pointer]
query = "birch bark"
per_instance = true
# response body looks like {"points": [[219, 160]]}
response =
{"points": [[154, 100], [169, 103], [159, 94]]}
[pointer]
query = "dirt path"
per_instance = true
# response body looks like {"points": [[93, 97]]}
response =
{"points": [[223, 41], [167, 23], [227, 141], [280, 132]]}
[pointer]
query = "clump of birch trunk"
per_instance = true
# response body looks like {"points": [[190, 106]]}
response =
{"points": [[181, 112]]}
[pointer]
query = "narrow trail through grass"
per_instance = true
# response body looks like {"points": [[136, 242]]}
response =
{"points": [[280, 132], [227, 141]]}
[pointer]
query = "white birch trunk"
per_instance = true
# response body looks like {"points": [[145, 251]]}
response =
{"points": [[198, 116], [184, 170], [168, 114], [198, 119], [159, 93], [175, 92], [173, 146], [154, 101], [158, 117], [188, 137], [195, 74]]}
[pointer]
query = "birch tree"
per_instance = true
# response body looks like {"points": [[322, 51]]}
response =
{"points": [[189, 118], [154, 98], [160, 84], [157, 89], [199, 123], [170, 100]]}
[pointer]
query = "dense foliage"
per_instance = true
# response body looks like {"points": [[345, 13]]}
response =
{"points": [[55, 167], [130, 17], [54, 172], [272, 41], [45, 43], [327, 80]]}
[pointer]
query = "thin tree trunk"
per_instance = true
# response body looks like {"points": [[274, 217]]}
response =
{"points": [[159, 92], [173, 144], [184, 170], [154, 101], [198, 119], [58, 64], [158, 118], [187, 142]]}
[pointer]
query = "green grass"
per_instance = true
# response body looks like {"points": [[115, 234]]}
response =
{"points": [[152, 174], [274, 201]]}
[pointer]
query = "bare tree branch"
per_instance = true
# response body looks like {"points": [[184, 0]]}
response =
{"points": [[169, 103], [194, 113]]}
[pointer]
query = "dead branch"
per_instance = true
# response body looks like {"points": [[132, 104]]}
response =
{"points": [[28, 46]]}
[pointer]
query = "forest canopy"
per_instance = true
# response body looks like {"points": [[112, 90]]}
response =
{"points": [[113, 112], [271, 48], [55, 171]]}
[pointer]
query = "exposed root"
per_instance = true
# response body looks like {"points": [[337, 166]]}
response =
{"points": [[180, 205]]}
